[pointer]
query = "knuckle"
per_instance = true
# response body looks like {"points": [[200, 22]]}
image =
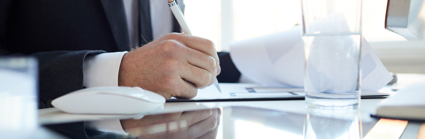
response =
{"points": [[170, 48], [172, 35], [209, 42], [219, 70], [168, 36], [205, 114], [212, 124], [206, 79], [219, 112], [211, 62], [210, 45], [170, 45]]}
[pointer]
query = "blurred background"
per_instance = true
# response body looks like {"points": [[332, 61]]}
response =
{"points": [[225, 21]]}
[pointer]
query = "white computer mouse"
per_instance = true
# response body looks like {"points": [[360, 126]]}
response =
{"points": [[109, 100]]}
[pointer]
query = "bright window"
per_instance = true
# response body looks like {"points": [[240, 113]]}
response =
{"points": [[253, 18], [225, 21]]}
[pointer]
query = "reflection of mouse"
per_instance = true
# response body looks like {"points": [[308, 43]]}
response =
{"points": [[109, 100]]}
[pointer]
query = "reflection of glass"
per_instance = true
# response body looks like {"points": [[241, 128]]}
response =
{"points": [[332, 124], [18, 97], [258, 123], [332, 35], [188, 124]]}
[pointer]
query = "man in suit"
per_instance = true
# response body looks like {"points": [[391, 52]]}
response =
{"points": [[84, 43]]}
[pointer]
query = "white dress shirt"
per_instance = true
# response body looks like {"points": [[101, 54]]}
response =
{"points": [[103, 69], [160, 18]]}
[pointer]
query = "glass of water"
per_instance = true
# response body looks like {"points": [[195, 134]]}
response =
{"points": [[331, 30], [18, 97]]}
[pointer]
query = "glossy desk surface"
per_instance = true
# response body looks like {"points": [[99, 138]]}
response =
{"points": [[252, 119]]}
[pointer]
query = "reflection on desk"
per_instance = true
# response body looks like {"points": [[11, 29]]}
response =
{"points": [[331, 124], [179, 125], [251, 119], [248, 122], [316, 123]]}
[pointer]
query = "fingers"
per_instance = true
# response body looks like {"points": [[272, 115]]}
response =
{"points": [[199, 77], [206, 126], [193, 117], [179, 129], [199, 123], [210, 135], [182, 89], [193, 66], [191, 124], [203, 61], [137, 127], [173, 66], [200, 44]]}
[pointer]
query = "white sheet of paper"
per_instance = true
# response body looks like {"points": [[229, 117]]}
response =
{"points": [[234, 91], [278, 60], [208, 93], [256, 91]]}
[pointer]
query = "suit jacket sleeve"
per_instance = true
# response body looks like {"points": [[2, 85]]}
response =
{"points": [[5, 6], [77, 130], [60, 72]]}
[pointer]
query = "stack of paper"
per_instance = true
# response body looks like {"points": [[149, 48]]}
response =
{"points": [[407, 103], [278, 60]]}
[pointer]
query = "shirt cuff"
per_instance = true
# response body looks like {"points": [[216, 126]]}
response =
{"points": [[102, 69]]}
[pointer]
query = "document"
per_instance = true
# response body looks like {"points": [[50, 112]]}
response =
{"points": [[275, 63], [252, 91], [277, 60]]}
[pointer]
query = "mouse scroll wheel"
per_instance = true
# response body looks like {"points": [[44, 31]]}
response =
{"points": [[138, 89]]}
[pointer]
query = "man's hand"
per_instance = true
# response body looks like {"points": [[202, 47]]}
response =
{"points": [[175, 65], [180, 125]]}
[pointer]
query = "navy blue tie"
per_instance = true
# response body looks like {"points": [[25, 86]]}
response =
{"points": [[145, 23]]}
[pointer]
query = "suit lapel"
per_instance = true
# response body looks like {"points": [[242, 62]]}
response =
{"points": [[114, 10]]}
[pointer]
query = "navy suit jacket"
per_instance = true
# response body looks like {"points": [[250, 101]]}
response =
{"points": [[61, 33]]}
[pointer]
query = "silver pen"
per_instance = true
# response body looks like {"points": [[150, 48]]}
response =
{"points": [[175, 9]]}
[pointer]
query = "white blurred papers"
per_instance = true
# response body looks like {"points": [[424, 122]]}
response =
{"points": [[278, 60]]}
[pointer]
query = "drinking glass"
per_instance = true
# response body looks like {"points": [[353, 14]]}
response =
{"points": [[18, 97], [331, 31]]}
